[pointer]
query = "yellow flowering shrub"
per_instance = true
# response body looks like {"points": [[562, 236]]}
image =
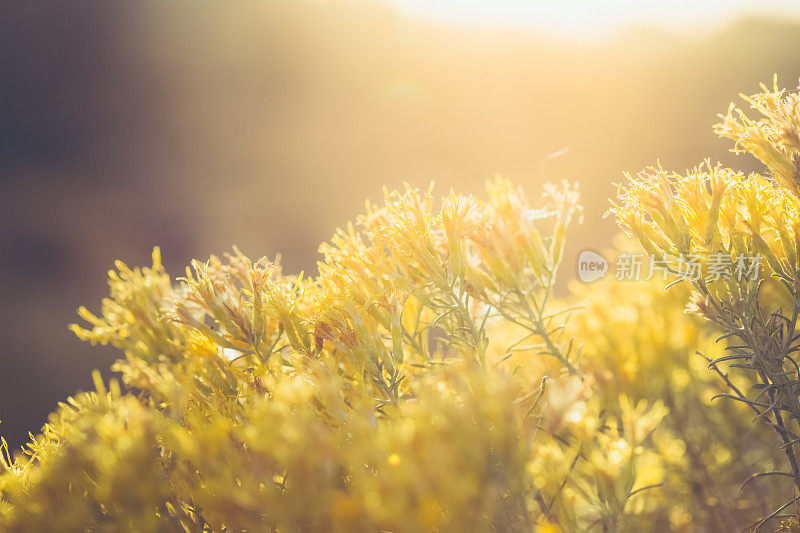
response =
{"points": [[645, 346], [428, 378], [715, 217]]}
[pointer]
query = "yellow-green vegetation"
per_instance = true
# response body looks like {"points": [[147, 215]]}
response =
{"points": [[716, 215], [429, 379]]}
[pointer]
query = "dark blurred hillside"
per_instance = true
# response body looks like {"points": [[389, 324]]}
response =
{"points": [[266, 124]]}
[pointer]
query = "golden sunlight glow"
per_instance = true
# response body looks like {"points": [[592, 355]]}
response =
{"points": [[589, 18]]}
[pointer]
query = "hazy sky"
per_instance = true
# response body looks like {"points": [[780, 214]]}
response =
{"points": [[593, 18]]}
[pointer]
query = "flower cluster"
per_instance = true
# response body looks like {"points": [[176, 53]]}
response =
{"points": [[423, 380], [716, 212], [428, 378]]}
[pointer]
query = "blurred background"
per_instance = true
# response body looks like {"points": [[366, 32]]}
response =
{"points": [[266, 124]]}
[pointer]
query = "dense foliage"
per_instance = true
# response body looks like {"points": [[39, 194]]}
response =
{"points": [[429, 379]]}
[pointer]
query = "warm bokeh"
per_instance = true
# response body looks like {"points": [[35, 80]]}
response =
{"points": [[267, 124]]}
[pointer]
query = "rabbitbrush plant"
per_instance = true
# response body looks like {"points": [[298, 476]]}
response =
{"points": [[716, 216], [430, 379]]}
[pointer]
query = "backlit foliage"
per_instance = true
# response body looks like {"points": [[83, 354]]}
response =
{"points": [[429, 379], [713, 212]]}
